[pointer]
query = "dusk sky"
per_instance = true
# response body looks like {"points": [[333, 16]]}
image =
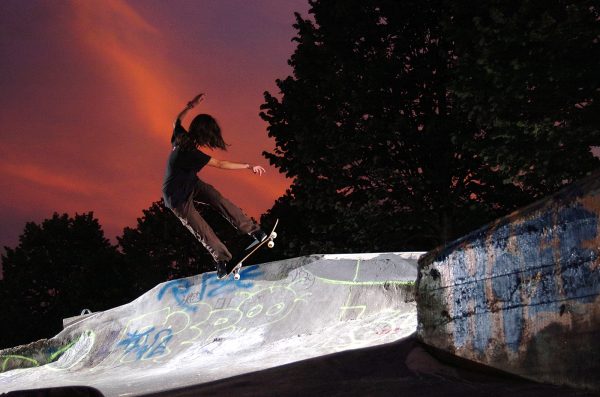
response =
{"points": [[90, 90]]}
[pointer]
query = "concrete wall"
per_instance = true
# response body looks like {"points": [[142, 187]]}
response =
{"points": [[522, 294]]}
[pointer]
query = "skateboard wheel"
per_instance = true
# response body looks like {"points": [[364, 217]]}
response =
{"points": [[236, 276], [270, 244], [274, 235]]}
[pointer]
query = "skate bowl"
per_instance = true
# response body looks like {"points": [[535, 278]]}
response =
{"points": [[200, 329]]}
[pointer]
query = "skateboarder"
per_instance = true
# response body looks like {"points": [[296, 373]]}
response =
{"points": [[181, 186]]}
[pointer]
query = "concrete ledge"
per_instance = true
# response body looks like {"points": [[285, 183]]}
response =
{"points": [[72, 320], [522, 294]]}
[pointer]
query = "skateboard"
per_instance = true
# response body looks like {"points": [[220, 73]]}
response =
{"points": [[234, 266]]}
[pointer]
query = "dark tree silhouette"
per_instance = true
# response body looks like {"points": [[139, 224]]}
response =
{"points": [[388, 146], [65, 264], [526, 73], [61, 266]]}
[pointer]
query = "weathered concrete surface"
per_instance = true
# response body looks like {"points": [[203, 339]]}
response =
{"points": [[34, 354], [522, 294], [199, 329]]}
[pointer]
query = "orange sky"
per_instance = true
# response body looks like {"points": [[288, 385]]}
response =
{"points": [[90, 90]]}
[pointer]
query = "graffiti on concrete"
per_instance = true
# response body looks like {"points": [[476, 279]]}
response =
{"points": [[523, 269], [15, 361], [211, 286], [146, 344], [50, 354], [214, 310], [147, 337], [202, 312], [179, 289]]}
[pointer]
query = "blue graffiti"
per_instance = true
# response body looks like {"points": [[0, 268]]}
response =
{"points": [[547, 250], [468, 298], [212, 286], [179, 289], [138, 343], [506, 289], [579, 282]]}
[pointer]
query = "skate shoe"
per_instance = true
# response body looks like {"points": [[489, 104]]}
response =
{"points": [[221, 269], [258, 237]]}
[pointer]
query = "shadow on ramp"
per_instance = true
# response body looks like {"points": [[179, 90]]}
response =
{"points": [[70, 391], [402, 368]]}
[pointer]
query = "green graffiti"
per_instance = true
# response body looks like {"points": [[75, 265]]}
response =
{"points": [[54, 356], [36, 357], [7, 359], [354, 281], [365, 283], [204, 322]]}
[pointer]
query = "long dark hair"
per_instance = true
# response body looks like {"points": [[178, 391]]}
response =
{"points": [[204, 131]]}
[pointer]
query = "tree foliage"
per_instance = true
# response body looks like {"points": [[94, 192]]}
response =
{"points": [[526, 73], [386, 127], [65, 264], [61, 266]]}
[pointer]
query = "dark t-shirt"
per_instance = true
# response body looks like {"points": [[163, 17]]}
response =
{"points": [[180, 175]]}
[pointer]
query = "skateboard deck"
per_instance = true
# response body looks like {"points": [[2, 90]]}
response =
{"points": [[234, 266]]}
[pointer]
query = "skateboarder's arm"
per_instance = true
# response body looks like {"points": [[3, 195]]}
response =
{"points": [[230, 165], [197, 99]]}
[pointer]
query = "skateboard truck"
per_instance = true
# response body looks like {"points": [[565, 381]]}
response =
{"points": [[270, 244], [268, 241]]}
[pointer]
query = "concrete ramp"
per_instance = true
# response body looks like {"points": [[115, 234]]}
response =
{"points": [[199, 329]]}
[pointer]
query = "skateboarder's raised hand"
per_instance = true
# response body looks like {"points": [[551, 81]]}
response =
{"points": [[196, 100]]}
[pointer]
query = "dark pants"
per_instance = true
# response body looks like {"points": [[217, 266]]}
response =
{"points": [[191, 218]]}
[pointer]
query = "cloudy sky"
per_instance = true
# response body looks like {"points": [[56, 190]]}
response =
{"points": [[89, 91]]}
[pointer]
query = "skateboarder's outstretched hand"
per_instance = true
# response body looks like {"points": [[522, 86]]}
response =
{"points": [[257, 169]]}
